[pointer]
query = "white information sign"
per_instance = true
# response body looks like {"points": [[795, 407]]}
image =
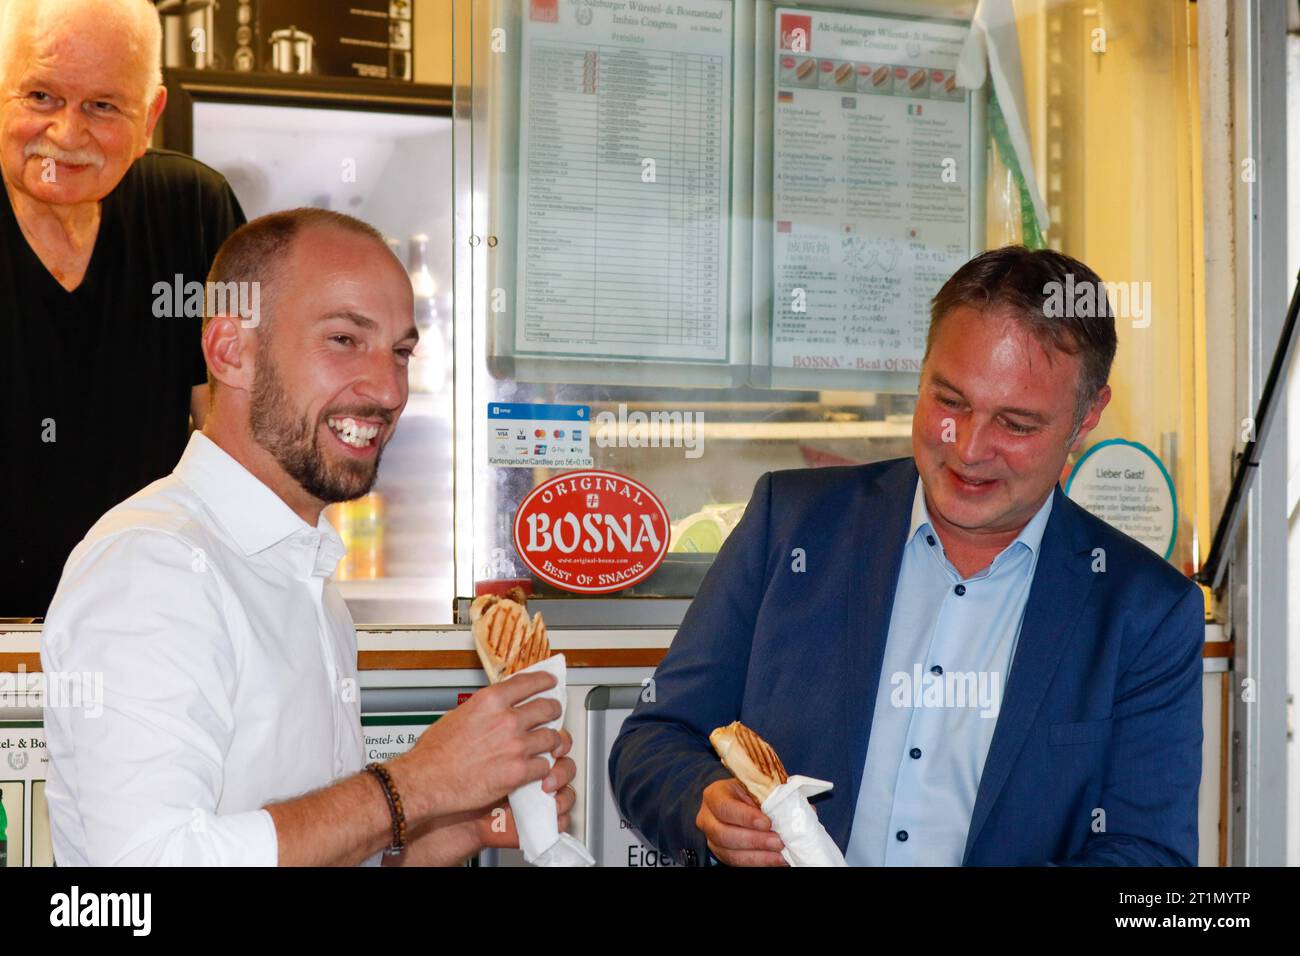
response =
{"points": [[1124, 484], [24, 764], [871, 197], [619, 845]]}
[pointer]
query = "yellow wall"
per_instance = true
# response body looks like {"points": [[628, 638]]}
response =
{"points": [[433, 41], [1116, 142]]}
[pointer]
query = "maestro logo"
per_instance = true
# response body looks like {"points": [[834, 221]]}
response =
{"points": [[592, 532]]}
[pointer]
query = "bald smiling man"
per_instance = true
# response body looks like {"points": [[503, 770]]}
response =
{"points": [[96, 388]]}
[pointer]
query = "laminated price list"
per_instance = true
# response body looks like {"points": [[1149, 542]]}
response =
{"points": [[624, 197]]}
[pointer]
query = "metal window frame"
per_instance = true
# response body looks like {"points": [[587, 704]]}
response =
{"points": [[1258, 578]]}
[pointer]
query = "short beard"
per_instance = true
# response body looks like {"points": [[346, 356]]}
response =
{"points": [[294, 441]]}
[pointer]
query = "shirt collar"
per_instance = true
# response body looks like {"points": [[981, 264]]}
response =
{"points": [[254, 515], [1031, 535]]}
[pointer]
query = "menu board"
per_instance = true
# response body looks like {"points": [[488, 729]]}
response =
{"points": [[871, 195], [624, 180]]}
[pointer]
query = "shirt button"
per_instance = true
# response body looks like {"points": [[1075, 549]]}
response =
{"points": [[902, 836], [916, 753], [960, 589], [936, 669], [929, 539]]}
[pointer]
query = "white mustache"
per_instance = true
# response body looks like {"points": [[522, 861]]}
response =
{"points": [[80, 157]]}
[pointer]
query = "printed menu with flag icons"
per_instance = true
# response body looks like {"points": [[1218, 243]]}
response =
{"points": [[529, 436], [871, 201]]}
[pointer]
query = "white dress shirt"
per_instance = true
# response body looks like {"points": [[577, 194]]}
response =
{"points": [[926, 752], [229, 672]]}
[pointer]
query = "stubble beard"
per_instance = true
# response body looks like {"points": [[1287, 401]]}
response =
{"points": [[294, 442]]}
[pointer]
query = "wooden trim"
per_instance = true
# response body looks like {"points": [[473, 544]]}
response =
{"points": [[468, 660], [185, 87], [434, 660], [268, 84], [296, 95], [9, 663], [416, 660]]}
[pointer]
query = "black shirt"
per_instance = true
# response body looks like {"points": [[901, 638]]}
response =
{"points": [[95, 369]]}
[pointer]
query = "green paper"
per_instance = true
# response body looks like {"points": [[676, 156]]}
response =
{"points": [[1030, 233]]}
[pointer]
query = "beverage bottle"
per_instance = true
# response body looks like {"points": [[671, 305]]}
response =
{"points": [[422, 282], [428, 368], [366, 549], [360, 524]]}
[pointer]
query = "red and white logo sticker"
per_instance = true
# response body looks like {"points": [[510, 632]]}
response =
{"points": [[592, 532], [544, 11], [796, 32]]}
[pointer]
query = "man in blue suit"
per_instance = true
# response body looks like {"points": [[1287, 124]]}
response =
{"points": [[988, 674]]}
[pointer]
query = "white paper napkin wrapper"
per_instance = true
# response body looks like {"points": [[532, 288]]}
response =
{"points": [[795, 821], [533, 808]]}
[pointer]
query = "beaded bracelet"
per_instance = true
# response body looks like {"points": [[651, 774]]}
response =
{"points": [[385, 779]]}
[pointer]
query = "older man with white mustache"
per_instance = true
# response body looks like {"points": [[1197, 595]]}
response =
{"points": [[96, 388]]}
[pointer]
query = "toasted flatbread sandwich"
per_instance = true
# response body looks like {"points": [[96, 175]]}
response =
{"points": [[750, 758], [506, 639]]}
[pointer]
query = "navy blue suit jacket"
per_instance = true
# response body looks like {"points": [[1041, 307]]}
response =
{"points": [[1101, 710]]}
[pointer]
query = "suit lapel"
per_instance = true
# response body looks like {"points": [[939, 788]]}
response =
{"points": [[1062, 580], [877, 521]]}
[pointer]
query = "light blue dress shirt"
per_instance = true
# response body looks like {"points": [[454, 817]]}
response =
{"points": [[947, 657]]}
